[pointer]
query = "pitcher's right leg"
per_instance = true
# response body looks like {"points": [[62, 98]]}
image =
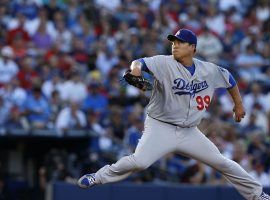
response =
{"points": [[157, 140], [199, 147]]}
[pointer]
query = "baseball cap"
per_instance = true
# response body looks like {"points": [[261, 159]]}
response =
{"points": [[185, 35], [7, 51]]}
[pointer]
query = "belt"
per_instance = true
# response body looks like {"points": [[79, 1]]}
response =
{"points": [[170, 123]]}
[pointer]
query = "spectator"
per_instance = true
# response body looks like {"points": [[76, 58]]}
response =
{"points": [[53, 84], [8, 68], [79, 51], [61, 173], [16, 120], [103, 140], [74, 89], [95, 100], [215, 20], [259, 173], [194, 174], [74, 9], [27, 74], [42, 39], [175, 165], [70, 118], [250, 64], [27, 8], [209, 46], [32, 25], [112, 6], [56, 106], [105, 61], [239, 155], [116, 125], [252, 126], [256, 146], [52, 7], [87, 35], [133, 134], [37, 109], [5, 108], [13, 93], [63, 36], [18, 31], [5, 17], [225, 5], [255, 99], [262, 10]]}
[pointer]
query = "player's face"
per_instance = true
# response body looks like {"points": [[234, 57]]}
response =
{"points": [[181, 49]]}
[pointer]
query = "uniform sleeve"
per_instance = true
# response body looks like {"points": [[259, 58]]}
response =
{"points": [[153, 65], [223, 78]]}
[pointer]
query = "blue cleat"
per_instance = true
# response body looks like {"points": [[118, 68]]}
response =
{"points": [[264, 196], [86, 181]]}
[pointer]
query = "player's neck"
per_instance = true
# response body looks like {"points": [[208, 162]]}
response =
{"points": [[186, 61]]}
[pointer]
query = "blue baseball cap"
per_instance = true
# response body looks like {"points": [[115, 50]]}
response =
{"points": [[185, 35]]}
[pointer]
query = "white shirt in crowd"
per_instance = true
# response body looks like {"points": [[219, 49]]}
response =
{"points": [[105, 63], [112, 5], [65, 120], [8, 70], [48, 87], [73, 91], [263, 178], [31, 26], [209, 46]]}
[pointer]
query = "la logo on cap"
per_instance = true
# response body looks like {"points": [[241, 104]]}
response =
{"points": [[178, 32]]}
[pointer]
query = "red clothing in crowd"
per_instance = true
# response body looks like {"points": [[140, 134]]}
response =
{"points": [[26, 78]]}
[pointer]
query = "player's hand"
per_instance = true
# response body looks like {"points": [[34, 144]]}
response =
{"points": [[239, 112]]}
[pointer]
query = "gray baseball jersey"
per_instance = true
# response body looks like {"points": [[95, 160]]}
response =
{"points": [[179, 97]]}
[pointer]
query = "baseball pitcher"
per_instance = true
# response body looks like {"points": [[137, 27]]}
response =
{"points": [[182, 91]]}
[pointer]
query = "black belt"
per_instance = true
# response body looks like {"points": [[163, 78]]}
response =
{"points": [[170, 123]]}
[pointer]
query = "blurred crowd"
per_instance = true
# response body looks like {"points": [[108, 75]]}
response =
{"points": [[61, 62]]}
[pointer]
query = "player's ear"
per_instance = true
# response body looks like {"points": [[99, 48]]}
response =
{"points": [[194, 48]]}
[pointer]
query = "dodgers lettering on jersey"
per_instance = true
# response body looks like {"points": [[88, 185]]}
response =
{"points": [[182, 88], [179, 97]]}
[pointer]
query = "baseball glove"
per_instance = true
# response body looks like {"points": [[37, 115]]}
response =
{"points": [[137, 81]]}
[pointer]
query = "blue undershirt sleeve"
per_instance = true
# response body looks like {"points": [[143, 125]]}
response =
{"points": [[144, 66], [232, 82]]}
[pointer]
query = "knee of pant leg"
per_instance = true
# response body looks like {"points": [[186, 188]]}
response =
{"points": [[142, 166], [140, 163], [223, 164]]}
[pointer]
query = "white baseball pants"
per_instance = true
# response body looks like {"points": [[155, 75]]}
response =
{"points": [[161, 138]]}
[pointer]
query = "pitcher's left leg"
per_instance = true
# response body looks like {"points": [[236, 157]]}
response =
{"points": [[198, 146]]}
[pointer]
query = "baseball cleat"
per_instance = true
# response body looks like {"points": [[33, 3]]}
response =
{"points": [[264, 196], [87, 180]]}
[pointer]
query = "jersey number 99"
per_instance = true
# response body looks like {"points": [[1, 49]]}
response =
{"points": [[203, 102]]}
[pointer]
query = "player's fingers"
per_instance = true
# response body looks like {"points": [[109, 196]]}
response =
{"points": [[241, 116], [238, 118]]}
